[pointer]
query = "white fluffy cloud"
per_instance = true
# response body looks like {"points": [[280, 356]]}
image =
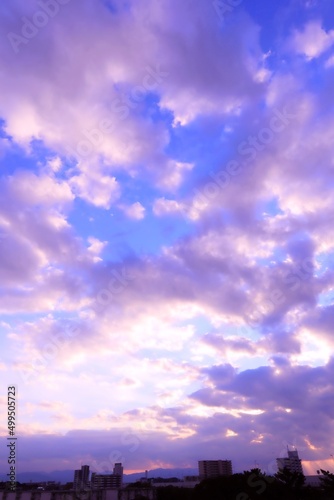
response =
{"points": [[313, 40]]}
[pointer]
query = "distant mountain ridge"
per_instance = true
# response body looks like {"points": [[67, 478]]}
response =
{"points": [[165, 473], [66, 476]]}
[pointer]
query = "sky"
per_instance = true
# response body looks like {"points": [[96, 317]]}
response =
{"points": [[166, 232]]}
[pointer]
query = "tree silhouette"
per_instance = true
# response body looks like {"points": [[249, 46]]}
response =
{"points": [[293, 480], [327, 482]]}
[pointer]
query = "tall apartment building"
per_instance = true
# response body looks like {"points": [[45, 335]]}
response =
{"points": [[81, 477], [292, 462], [214, 468], [118, 471]]}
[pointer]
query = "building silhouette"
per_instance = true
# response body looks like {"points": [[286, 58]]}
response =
{"points": [[292, 462], [118, 471], [81, 477], [108, 481], [105, 481], [214, 468]]}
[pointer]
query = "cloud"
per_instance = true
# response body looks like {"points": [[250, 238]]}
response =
{"points": [[163, 206], [135, 211], [99, 190], [313, 40], [282, 386], [319, 322], [105, 117]]}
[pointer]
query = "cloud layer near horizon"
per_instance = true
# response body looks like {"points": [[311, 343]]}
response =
{"points": [[166, 236]]}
